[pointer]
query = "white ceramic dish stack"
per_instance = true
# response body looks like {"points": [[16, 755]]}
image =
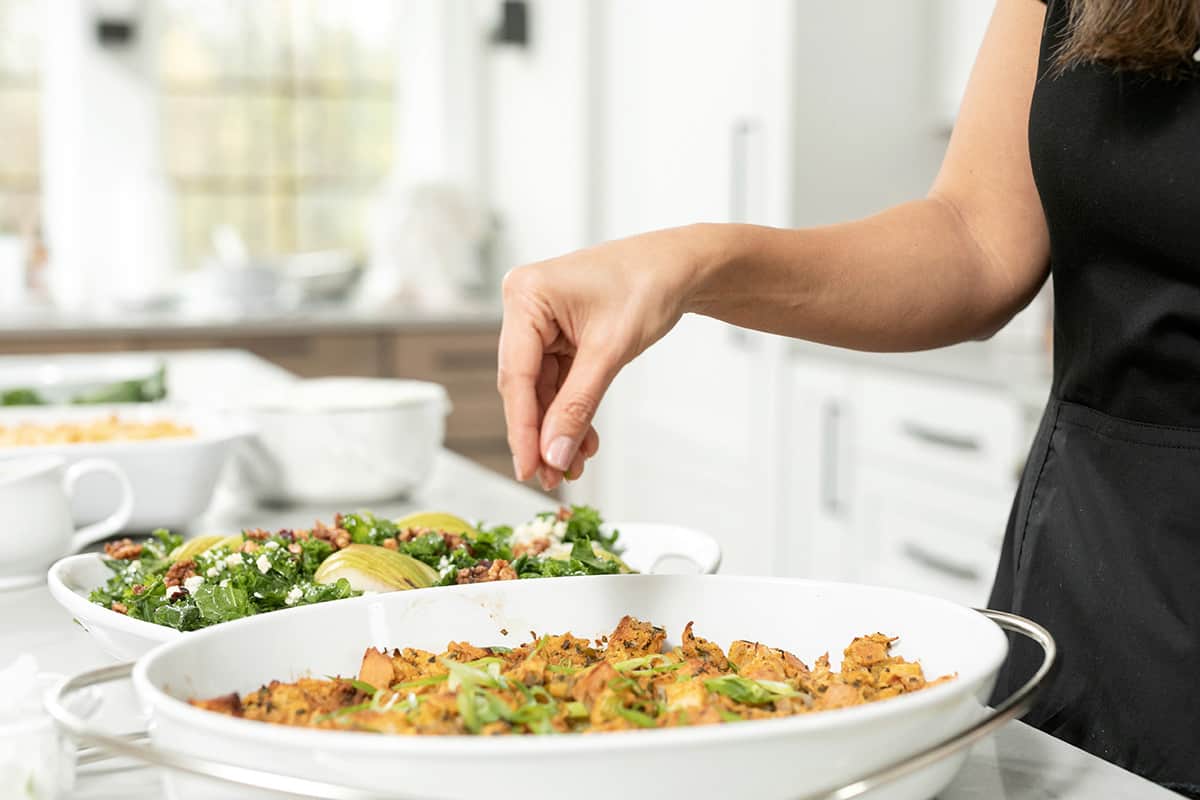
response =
{"points": [[779, 758], [647, 547]]}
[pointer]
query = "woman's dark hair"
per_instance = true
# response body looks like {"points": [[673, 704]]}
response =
{"points": [[1158, 36]]}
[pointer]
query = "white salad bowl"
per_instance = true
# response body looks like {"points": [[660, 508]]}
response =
{"points": [[647, 547], [775, 758]]}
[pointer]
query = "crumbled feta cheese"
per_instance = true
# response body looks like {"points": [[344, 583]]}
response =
{"points": [[213, 572], [536, 528], [263, 563], [193, 583], [259, 595], [174, 591], [233, 560], [560, 529], [135, 565], [293, 596], [225, 583], [271, 545]]}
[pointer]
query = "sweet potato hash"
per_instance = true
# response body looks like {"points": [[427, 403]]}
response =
{"points": [[627, 680]]}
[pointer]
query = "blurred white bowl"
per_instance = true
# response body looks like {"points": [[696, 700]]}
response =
{"points": [[343, 440], [173, 478], [321, 275]]}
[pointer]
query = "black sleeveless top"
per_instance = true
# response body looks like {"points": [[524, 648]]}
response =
{"points": [[1103, 545]]}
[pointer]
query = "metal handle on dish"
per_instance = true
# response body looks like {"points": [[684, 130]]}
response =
{"points": [[1015, 705], [1012, 707], [79, 729]]}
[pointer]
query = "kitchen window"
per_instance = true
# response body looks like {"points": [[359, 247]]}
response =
{"points": [[20, 153], [277, 118]]}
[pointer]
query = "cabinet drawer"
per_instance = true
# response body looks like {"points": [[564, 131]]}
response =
{"points": [[476, 416], [452, 359], [968, 433], [914, 533]]}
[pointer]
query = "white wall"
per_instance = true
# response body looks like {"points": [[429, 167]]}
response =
{"points": [[868, 133], [538, 129], [104, 187]]}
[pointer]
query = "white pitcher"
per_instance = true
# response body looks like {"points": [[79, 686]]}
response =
{"points": [[35, 509]]}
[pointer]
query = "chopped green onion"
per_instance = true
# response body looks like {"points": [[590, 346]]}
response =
{"points": [[341, 712], [429, 680], [639, 718]]}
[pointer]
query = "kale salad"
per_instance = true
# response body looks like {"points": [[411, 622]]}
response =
{"points": [[192, 584]]}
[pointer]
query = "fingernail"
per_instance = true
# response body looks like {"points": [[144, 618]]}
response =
{"points": [[560, 452]]}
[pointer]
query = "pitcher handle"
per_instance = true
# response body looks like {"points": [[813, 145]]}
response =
{"points": [[114, 521]]}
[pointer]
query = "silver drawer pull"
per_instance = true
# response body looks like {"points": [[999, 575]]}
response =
{"points": [[962, 572], [951, 441]]}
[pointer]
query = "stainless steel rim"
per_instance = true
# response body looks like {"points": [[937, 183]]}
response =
{"points": [[1013, 707]]}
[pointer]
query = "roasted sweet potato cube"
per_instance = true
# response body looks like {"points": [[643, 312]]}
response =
{"points": [[633, 638], [376, 669]]}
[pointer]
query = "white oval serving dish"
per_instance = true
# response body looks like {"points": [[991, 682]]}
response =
{"points": [[173, 479], [763, 759], [647, 547]]}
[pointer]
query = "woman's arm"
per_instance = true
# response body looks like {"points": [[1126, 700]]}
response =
{"points": [[955, 265]]}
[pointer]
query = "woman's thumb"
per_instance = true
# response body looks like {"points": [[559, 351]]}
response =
{"points": [[570, 414]]}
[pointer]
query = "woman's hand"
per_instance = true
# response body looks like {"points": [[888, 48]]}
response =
{"points": [[570, 324]]}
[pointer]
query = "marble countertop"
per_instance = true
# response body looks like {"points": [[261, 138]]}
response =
{"points": [[50, 323], [1019, 763]]}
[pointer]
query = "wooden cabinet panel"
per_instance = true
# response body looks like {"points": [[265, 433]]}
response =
{"points": [[457, 360], [318, 356], [33, 345], [476, 416]]}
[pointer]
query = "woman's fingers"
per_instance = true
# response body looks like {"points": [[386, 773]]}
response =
{"points": [[569, 418], [520, 363], [591, 443]]}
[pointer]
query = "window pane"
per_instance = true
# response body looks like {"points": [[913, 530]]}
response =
{"points": [[327, 220], [226, 135], [19, 152], [16, 210], [343, 137], [277, 118]]}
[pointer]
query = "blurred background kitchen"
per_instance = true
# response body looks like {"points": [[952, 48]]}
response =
{"points": [[338, 186]]}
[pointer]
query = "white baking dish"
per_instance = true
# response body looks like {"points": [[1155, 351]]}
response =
{"points": [[343, 440], [782, 758], [648, 547], [173, 478]]}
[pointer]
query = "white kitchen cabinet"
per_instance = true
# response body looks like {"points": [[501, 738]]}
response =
{"points": [[935, 471], [689, 431], [817, 469], [915, 533]]}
